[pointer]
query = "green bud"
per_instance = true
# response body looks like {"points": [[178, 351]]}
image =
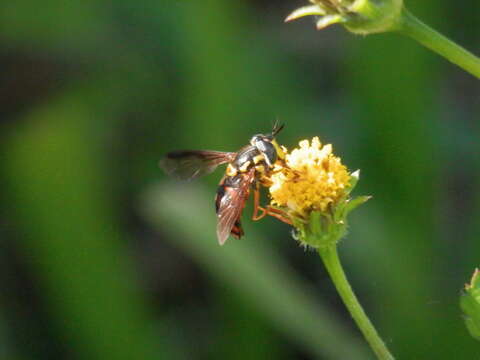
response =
{"points": [[470, 305], [358, 16]]}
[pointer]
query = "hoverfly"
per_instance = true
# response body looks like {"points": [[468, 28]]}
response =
{"points": [[247, 169]]}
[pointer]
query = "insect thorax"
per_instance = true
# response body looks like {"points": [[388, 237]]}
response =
{"points": [[247, 158]]}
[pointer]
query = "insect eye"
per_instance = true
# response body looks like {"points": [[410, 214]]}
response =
{"points": [[268, 150], [255, 139]]}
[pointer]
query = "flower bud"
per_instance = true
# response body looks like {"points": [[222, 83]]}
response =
{"points": [[358, 16]]}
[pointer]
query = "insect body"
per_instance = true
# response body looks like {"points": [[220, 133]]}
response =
{"points": [[247, 169]]}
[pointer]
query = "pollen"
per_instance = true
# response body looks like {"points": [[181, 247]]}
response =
{"points": [[312, 179]]}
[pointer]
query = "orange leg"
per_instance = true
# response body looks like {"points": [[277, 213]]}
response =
{"points": [[278, 214], [256, 206]]}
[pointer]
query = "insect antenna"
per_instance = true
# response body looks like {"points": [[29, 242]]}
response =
{"points": [[277, 128]]}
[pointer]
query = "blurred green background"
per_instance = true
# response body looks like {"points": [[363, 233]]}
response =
{"points": [[103, 257]]}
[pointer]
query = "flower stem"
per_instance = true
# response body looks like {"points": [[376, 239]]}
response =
{"points": [[331, 260], [413, 27]]}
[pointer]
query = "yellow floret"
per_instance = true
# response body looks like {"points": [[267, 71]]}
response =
{"points": [[312, 179]]}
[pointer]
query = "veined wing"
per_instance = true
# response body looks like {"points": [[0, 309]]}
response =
{"points": [[231, 203], [190, 164]]}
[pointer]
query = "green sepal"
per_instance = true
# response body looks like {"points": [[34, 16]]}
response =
{"points": [[346, 204], [354, 203], [328, 20], [354, 177], [326, 228], [306, 11], [320, 231]]}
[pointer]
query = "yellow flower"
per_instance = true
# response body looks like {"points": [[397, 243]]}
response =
{"points": [[311, 180]]}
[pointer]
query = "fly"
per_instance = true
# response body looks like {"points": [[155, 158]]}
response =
{"points": [[247, 169]]}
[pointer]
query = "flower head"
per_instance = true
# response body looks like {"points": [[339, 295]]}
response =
{"points": [[313, 179], [358, 16], [311, 191]]}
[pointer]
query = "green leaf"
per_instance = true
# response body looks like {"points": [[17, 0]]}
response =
{"points": [[470, 305]]}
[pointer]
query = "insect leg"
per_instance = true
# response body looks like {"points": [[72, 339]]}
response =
{"points": [[256, 204], [277, 213]]}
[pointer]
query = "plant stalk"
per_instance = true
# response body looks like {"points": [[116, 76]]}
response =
{"points": [[416, 29], [331, 260]]}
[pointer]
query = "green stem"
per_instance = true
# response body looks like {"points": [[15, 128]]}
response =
{"points": [[330, 258], [413, 27]]}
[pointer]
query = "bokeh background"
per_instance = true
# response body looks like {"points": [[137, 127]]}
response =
{"points": [[103, 257]]}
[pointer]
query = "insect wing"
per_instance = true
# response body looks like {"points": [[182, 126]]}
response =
{"points": [[231, 204], [190, 164]]}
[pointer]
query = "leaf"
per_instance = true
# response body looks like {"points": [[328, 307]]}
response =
{"points": [[470, 305]]}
